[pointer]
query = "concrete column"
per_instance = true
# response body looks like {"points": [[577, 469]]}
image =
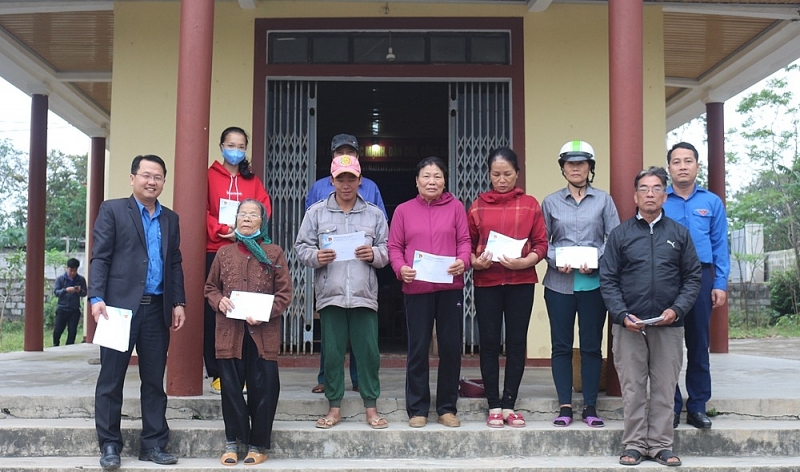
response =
{"points": [[185, 362], [626, 88], [37, 197], [97, 177], [715, 122]]}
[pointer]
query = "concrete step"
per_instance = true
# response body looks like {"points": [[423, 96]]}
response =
{"points": [[498, 464], [306, 406], [352, 440]]}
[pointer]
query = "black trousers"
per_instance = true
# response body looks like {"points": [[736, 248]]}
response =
{"points": [[512, 303], [150, 336], [210, 329], [66, 318], [250, 421], [445, 308]]}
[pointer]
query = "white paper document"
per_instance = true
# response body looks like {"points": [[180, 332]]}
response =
{"points": [[576, 256], [432, 268], [344, 244], [114, 332], [255, 305], [650, 321], [227, 211], [501, 245]]}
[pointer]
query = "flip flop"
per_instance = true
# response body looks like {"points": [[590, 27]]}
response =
{"points": [[328, 422], [515, 420], [376, 422], [495, 420], [562, 421], [594, 422], [664, 456], [632, 454], [229, 458], [320, 388]]}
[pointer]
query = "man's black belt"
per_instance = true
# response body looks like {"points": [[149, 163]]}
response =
{"points": [[151, 299], [706, 265]]}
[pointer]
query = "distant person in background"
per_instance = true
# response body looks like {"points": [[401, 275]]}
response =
{"points": [[230, 181], [247, 350], [577, 215], [703, 213], [434, 222], [504, 283], [69, 288], [342, 145]]}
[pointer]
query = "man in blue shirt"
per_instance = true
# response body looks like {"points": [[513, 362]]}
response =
{"points": [[343, 145], [137, 265], [703, 213]]}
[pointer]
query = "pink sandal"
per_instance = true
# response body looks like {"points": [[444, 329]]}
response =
{"points": [[495, 420], [515, 420], [562, 421]]}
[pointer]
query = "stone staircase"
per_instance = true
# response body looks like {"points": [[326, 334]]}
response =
{"points": [[46, 425]]}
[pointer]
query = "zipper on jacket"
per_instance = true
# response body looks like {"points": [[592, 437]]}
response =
{"points": [[652, 265]]}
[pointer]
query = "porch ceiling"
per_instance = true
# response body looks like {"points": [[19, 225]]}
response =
{"points": [[714, 49]]}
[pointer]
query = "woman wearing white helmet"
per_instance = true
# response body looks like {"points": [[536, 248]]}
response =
{"points": [[578, 215]]}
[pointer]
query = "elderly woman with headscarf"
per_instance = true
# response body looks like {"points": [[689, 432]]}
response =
{"points": [[247, 350]]}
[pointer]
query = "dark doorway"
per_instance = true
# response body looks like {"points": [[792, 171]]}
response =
{"points": [[397, 124]]}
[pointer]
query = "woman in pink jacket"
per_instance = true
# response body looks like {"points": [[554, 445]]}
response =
{"points": [[434, 222]]}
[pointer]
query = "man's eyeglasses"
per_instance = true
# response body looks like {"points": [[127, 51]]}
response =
{"points": [[644, 189], [155, 178], [231, 146], [252, 216]]}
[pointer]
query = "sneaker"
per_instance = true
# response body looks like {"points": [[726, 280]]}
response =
{"points": [[215, 386], [449, 420]]}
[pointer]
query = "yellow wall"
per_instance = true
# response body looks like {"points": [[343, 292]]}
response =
{"points": [[566, 86]]}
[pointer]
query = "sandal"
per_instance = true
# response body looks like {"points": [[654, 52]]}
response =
{"points": [[328, 422], [376, 422], [634, 456], [515, 420], [231, 455], [562, 421], [663, 457], [320, 388], [255, 456], [594, 422], [495, 420]]}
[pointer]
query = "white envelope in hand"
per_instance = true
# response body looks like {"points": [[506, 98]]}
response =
{"points": [[255, 305]]}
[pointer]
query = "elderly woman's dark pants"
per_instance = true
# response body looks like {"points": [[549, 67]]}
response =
{"points": [[494, 304], [446, 310], [249, 421]]}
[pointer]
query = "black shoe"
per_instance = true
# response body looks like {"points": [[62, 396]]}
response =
{"points": [[699, 420], [676, 420], [157, 455], [109, 457]]}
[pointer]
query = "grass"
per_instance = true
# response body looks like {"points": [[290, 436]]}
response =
{"points": [[12, 337]]}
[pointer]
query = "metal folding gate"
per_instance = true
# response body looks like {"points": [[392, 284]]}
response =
{"points": [[480, 120]]}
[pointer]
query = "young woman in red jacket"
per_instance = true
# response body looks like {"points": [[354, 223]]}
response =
{"points": [[230, 181]]}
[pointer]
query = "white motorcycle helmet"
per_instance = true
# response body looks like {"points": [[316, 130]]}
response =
{"points": [[575, 151]]}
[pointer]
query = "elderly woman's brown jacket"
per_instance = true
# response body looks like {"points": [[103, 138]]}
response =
{"points": [[235, 268]]}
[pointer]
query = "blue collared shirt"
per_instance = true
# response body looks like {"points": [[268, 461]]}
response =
{"points": [[154, 285], [704, 215], [368, 191]]}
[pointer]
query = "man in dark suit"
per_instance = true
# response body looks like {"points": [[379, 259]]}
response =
{"points": [[136, 265]]}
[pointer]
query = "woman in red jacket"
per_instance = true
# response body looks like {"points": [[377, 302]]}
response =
{"points": [[504, 275], [229, 182]]}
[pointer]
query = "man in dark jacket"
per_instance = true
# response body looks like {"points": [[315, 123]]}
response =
{"points": [[69, 288], [649, 277]]}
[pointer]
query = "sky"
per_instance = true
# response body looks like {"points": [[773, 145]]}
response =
{"points": [[15, 109], [15, 124]]}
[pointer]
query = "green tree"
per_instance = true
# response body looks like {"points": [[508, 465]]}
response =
{"points": [[772, 151], [66, 198], [13, 193], [12, 276]]}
